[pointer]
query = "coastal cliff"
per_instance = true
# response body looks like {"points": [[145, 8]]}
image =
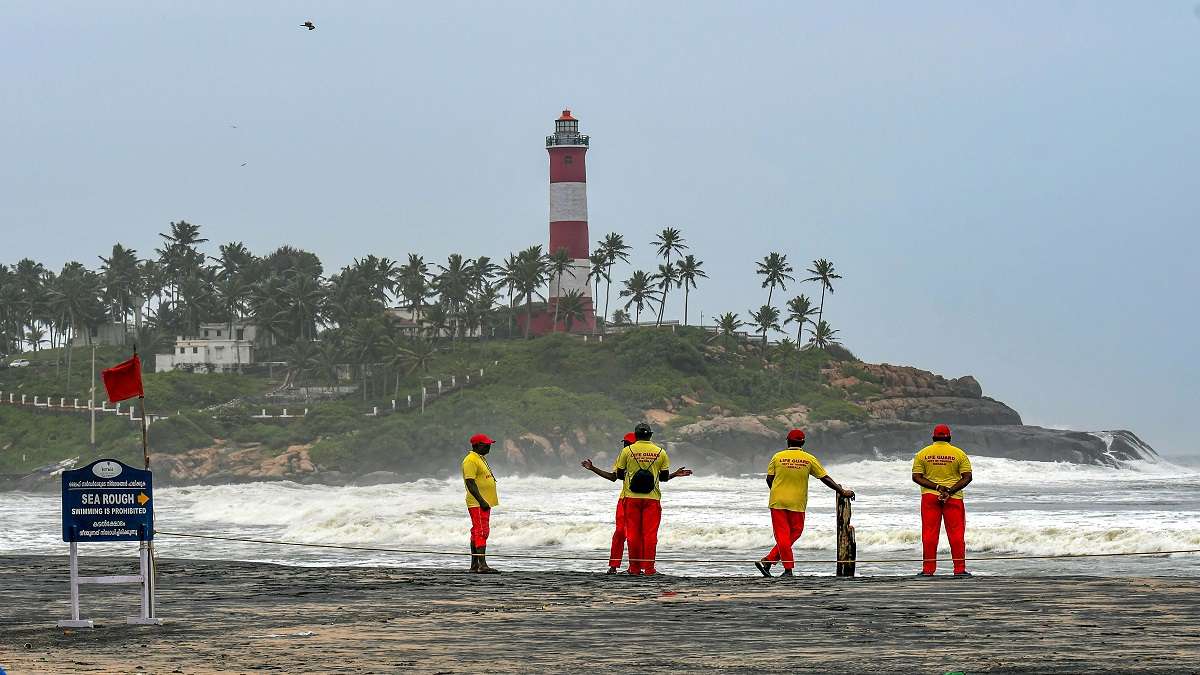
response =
{"points": [[721, 406]]}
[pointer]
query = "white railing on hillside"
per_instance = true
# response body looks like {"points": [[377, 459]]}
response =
{"points": [[415, 401]]}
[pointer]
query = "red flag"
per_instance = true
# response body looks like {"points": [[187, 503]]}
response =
{"points": [[123, 380]]}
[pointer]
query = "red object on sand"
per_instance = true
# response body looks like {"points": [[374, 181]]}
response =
{"points": [[123, 380]]}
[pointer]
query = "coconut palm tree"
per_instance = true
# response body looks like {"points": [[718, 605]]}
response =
{"points": [[573, 307], [767, 319], [665, 243], [559, 263], [364, 341], [823, 336], [326, 359], [666, 278], [615, 249], [620, 318], [775, 270], [690, 269], [728, 324], [669, 241], [122, 282], [639, 288], [413, 279], [822, 272], [532, 272], [799, 312], [597, 271]]}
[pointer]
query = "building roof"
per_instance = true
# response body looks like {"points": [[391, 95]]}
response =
{"points": [[566, 116]]}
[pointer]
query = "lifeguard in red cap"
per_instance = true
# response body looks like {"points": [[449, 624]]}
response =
{"points": [[942, 471], [481, 497], [787, 476], [618, 539]]}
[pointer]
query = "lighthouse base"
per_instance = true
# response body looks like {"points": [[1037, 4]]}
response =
{"points": [[541, 322]]}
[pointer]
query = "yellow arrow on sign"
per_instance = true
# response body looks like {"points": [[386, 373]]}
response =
{"points": [[142, 499]]}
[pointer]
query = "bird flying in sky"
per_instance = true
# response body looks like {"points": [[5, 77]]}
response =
{"points": [[309, 25]]}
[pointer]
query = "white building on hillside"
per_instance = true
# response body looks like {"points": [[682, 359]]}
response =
{"points": [[215, 350]]}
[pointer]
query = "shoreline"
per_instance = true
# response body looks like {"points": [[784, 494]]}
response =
{"points": [[235, 616]]}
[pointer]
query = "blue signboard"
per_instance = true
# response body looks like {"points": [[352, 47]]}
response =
{"points": [[107, 501]]}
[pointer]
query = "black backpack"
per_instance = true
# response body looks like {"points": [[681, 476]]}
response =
{"points": [[642, 481]]}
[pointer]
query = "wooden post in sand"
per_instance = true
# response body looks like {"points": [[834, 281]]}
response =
{"points": [[846, 548]]}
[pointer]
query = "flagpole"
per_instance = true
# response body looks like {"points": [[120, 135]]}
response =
{"points": [[92, 397], [149, 545]]}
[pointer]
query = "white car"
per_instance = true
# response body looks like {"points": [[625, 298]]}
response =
{"points": [[19, 363]]}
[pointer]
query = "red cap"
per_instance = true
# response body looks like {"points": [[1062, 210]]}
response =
{"points": [[482, 438], [630, 438], [941, 431], [795, 435]]}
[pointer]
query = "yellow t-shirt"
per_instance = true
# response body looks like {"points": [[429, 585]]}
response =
{"points": [[652, 458], [943, 464], [475, 466], [791, 469]]}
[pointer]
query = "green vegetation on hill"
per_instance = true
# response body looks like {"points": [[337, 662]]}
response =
{"points": [[557, 387]]}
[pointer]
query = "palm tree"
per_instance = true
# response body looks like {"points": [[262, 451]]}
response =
{"points": [[413, 279], [573, 307], [639, 288], [766, 318], [532, 272], [453, 284], [620, 318], [420, 356], [179, 255], [690, 269], [800, 311], [326, 358], [823, 336], [728, 324], [559, 263], [615, 249], [304, 303], [667, 242], [822, 271], [364, 341], [775, 269], [666, 277], [35, 337], [597, 272], [122, 282]]}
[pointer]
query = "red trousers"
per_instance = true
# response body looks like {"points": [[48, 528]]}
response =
{"points": [[481, 526], [788, 525], [933, 512], [642, 517], [618, 540]]}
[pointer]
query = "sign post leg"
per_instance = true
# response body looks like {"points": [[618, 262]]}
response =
{"points": [[147, 617], [75, 621]]}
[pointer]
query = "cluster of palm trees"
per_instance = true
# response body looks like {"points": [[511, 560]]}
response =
{"points": [[777, 273], [287, 294]]}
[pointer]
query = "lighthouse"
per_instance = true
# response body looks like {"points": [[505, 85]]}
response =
{"points": [[569, 219]]}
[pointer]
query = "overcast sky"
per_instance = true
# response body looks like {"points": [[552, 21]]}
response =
{"points": [[1010, 189]]}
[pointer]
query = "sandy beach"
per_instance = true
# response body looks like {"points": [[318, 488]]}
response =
{"points": [[243, 617]]}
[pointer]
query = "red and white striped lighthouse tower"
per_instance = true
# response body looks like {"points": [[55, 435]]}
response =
{"points": [[568, 217]]}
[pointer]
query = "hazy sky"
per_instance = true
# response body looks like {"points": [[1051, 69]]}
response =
{"points": [[1010, 189]]}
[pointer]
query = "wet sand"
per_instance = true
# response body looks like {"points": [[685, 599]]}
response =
{"points": [[246, 617]]}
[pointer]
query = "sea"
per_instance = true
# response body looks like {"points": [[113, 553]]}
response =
{"points": [[711, 525]]}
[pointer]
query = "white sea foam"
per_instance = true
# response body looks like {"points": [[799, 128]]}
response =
{"points": [[1014, 507]]}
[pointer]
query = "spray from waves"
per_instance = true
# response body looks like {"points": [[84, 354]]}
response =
{"points": [[702, 515]]}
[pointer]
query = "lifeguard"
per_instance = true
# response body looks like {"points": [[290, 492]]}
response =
{"points": [[642, 466], [787, 477], [942, 471], [482, 495], [617, 550]]}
